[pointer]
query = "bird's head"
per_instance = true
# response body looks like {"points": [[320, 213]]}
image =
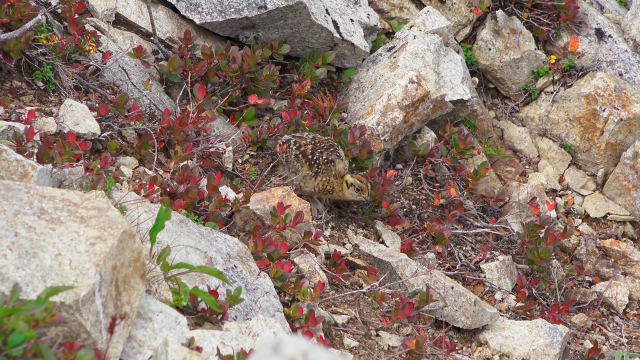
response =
{"points": [[356, 188]]}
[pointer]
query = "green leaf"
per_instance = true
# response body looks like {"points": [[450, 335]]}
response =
{"points": [[349, 73], [287, 218], [212, 225], [50, 292], [164, 214], [85, 354], [207, 298], [16, 339], [9, 311], [44, 350], [249, 116], [212, 272], [163, 255]]}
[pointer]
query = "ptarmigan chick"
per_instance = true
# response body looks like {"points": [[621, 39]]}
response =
{"points": [[319, 168]]}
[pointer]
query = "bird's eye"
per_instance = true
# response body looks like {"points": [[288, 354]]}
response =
{"points": [[358, 190]]}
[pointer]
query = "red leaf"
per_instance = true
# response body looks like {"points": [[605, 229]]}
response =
{"points": [[254, 99], [201, 91], [103, 110], [31, 133], [31, 115], [72, 138], [85, 146], [218, 178], [135, 107], [551, 206], [106, 56]]}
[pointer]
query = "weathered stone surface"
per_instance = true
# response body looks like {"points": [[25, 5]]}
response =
{"points": [[519, 195], [76, 117], [553, 161], [169, 25], [310, 267], [490, 185], [602, 45], [45, 125], [410, 81], [344, 27], [615, 293], [457, 12], [501, 273], [390, 238], [236, 335], [172, 350], [631, 25], [597, 205], [130, 76], [507, 53], [579, 181], [625, 254], [292, 347], [10, 129], [52, 237], [154, 324], [599, 116], [535, 339], [199, 245], [456, 305], [262, 203], [401, 11], [623, 185], [518, 139], [15, 167]]}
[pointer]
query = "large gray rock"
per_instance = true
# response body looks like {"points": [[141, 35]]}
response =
{"points": [[553, 161], [15, 167], [507, 53], [154, 324], [76, 117], [602, 45], [198, 245], [623, 186], [346, 27], [599, 117], [295, 348], [535, 339], [236, 335], [458, 12], [401, 11], [130, 76], [170, 26], [631, 25], [415, 78], [455, 304], [52, 237]]}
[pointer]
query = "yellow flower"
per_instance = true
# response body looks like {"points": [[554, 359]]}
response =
{"points": [[552, 59], [91, 47]]}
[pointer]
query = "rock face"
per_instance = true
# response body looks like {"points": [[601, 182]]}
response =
{"points": [[401, 11], [155, 323], [536, 339], [346, 27], [455, 304], [597, 205], [168, 23], [518, 139], [457, 12], [130, 76], [76, 117], [410, 81], [507, 53], [236, 335], [14, 167], [623, 185], [294, 348], [602, 45], [502, 273], [599, 116], [631, 25], [199, 245], [52, 237]]}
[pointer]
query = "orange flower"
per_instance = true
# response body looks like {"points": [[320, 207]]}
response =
{"points": [[574, 44]]}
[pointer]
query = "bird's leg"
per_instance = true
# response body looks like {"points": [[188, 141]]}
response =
{"points": [[317, 208]]}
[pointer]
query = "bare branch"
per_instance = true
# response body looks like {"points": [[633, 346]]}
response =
{"points": [[23, 29]]}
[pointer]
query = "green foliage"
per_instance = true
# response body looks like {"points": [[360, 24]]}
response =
{"points": [[540, 72], [493, 151], [531, 91], [470, 124], [109, 184], [395, 26], [568, 65], [469, 56], [20, 321], [622, 355], [569, 149], [46, 76], [622, 3]]}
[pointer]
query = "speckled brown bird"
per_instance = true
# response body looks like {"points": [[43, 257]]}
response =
{"points": [[320, 169]]}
